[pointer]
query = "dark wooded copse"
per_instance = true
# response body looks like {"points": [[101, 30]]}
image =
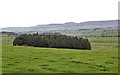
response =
{"points": [[52, 41]]}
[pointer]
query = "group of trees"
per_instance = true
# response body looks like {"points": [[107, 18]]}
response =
{"points": [[4, 33], [52, 41]]}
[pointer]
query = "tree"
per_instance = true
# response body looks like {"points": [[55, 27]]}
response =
{"points": [[52, 41]]}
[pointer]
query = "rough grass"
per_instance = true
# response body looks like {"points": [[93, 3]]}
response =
{"points": [[0, 54], [103, 58]]}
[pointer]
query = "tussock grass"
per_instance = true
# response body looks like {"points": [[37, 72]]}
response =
{"points": [[103, 58]]}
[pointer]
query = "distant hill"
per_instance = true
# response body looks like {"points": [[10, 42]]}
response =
{"points": [[7, 33], [70, 26]]}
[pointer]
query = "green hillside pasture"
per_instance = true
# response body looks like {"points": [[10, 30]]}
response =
{"points": [[103, 58], [0, 54]]}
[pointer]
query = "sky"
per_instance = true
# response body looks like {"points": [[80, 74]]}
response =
{"points": [[25, 13]]}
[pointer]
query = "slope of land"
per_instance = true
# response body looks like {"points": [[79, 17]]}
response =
{"points": [[103, 58], [70, 26]]}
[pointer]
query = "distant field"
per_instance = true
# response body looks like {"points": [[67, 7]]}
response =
{"points": [[103, 58], [99, 32]]}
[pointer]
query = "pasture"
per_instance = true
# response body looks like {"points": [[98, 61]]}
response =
{"points": [[103, 58]]}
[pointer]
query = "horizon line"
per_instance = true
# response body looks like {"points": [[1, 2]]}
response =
{"points": [[61, 23]]}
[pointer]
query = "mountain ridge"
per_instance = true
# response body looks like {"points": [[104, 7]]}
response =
{"points": [[64, 26]]}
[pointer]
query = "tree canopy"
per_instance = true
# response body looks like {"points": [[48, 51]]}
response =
{"points": [[52, 41]]}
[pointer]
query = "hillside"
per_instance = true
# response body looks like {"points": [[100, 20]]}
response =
{"points": [[103, 58], [70, 26]]}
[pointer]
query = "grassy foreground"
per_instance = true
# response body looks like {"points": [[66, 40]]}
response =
{"points": [[103, 58]]}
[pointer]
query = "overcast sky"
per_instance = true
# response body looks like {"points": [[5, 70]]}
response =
{"points": [[22, 13]]}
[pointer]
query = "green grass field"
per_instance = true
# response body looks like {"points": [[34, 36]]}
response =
{"points": [[103, 58]]}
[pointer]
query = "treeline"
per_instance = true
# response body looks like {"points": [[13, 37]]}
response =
{"points": [[5, 33], [52, 41]]}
